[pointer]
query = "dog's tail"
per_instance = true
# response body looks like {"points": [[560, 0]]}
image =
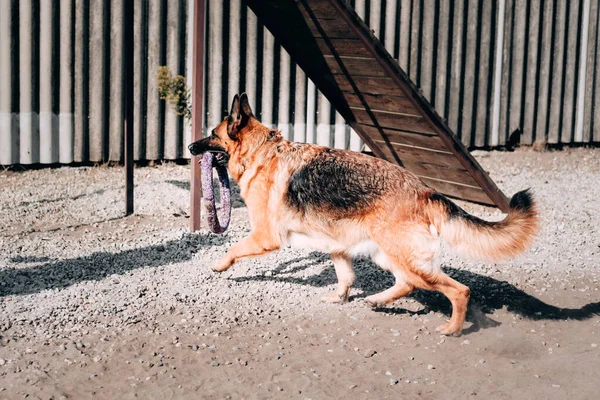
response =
{"points": [[475, 238]]}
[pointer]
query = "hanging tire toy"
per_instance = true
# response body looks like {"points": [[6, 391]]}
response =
{"points": [[215, 224]]}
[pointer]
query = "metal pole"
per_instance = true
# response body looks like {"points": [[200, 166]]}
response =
{"points": [[128, 122], [197, 109]]}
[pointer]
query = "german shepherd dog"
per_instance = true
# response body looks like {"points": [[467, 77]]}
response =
{"points": [[350, 204]]}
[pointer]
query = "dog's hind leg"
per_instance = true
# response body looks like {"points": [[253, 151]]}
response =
{"points": [[400, 289], [412, 258], [345, 277], [415, 257], [253, 245], [458, 294]]}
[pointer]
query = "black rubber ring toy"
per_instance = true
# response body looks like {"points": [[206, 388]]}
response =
{"points": [[216, 225]]}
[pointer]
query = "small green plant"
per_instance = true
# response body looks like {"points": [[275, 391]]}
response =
{"points": [[175, 91]]}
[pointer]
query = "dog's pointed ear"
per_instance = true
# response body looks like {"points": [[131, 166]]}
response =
{"points": [[234, 119], [245, 105], [235, 108]]}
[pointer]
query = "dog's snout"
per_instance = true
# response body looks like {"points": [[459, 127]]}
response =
{"points": [[193, 148]]}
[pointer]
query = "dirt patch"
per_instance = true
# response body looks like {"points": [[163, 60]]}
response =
{"points": [[93, 305]]}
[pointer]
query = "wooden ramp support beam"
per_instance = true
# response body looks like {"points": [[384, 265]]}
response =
{"points": [[128, 120], [197, 109], [351, 67]]}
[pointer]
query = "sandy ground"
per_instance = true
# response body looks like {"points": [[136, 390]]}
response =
{"points": [[94, 305]]}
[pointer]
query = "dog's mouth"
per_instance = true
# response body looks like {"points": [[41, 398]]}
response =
{"points": [[221, 157]]}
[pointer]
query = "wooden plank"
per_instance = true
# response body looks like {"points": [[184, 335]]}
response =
{"points": [[424, 155], [369, 85], [376, 148], [507, 55], [404, 39], [128, 118], [532, 43], [517, 67], [140, 32], [441, 67], [517, 75], [483, 106], [334, 28], [469, 110], [594, 135], [462, 192], [415, 42], [385, 102], [155, 111], [448, 181], [375, 18], [390, 27], [322, 8], [431, 141], [544, 73], [117, 90], [558, 69], [356, 66], [197, 109], [591, 74], [344, 47], [412, 123], [567, 131], [426, 73], [456, 70], [424, 168], [98, 56]]}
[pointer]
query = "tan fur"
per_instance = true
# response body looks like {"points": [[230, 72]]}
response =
{"points": [[497, 241], [398, 229]]}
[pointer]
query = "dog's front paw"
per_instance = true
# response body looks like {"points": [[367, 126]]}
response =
{"points": [[334, 298], [339, 297], [373, 302], [449, 329], [221, 266]]}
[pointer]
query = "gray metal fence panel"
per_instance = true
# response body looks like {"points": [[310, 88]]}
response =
{"points": [[490, 67]]}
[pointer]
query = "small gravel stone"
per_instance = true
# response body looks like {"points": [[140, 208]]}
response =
{"points": [[369, 353]]}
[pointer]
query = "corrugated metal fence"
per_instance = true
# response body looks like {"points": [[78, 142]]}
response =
{"points": [[489, 67]]}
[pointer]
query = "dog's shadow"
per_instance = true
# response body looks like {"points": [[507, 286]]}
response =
{"points": [[487, 294]]}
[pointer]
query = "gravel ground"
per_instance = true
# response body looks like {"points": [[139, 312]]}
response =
{"points": [[80, 283]]}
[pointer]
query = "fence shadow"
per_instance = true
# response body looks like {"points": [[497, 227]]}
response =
{"points": [[487, 294], [48, 201], [57, 274]]}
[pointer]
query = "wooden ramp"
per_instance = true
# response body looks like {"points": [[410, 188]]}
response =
{"points": [[338, 52]]}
